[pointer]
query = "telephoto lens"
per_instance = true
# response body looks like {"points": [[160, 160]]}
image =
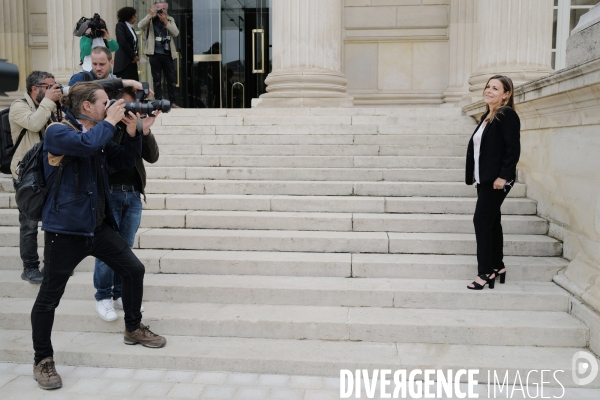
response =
{"points": [[146, 108]]}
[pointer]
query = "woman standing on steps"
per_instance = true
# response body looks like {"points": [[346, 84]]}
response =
{"points": [[492, 157]]}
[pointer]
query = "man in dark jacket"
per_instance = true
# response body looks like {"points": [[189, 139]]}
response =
{"points": [[126, 188], [77, 218]]}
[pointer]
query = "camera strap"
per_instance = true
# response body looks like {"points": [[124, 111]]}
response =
{"points": [[81, 116]]}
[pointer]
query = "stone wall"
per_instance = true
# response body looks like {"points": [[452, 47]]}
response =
{"points": [[396, 51], [560, 163]]}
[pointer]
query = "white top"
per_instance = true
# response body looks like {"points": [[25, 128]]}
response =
{"points": [[132, 32], [476, 148], [87, 60]]}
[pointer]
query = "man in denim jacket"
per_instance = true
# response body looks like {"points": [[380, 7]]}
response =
{"points": [[77, 218]]}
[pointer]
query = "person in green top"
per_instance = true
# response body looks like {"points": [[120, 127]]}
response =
{"points": [[88, 42]]}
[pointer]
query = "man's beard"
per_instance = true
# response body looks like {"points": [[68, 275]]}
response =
{"points": [[40, 97]]}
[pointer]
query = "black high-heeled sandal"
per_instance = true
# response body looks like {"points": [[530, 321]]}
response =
{"points": [[489, 281], [501, 275]]}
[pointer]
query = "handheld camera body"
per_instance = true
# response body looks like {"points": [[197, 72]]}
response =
{"points": [[95, 24], [143, 106]]}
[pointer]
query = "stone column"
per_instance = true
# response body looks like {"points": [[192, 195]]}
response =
{"points": [[463, 48], [515, 39], [63, 47], [13, 37], [307, 50]]}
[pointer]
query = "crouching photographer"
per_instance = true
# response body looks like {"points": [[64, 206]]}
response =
{"points": [[126, 188], [77, 217]]}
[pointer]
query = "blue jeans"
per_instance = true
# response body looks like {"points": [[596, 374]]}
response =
{"points": [[127, 210]]}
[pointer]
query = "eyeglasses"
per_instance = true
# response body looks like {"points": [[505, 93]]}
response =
{"points": [[45, 86]]}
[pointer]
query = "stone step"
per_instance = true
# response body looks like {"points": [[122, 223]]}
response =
{"points": [[437, 113], [311, 161], [328, 242], [318, 188], [403, 205], [253, 220], [343, 120], [307, 174], [313, 150], [406, 120], [317, 139], [403, 266], [463, 243], [307, 130], [294, 357], [368, 324], [318, 291]]}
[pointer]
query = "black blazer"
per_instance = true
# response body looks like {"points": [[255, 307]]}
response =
{"points": [[500, 148], [127, 47]]}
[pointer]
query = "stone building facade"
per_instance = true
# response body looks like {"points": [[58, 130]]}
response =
{"points": [[361, 52]]}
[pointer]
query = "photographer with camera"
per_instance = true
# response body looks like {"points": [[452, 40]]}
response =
{"points": [[31, 116], [96, 35], [81, 151], [126, 188], [160, 30]]}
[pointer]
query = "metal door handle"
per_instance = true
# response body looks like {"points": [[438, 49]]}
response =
{"points": [[262, 51], [178, 65], [243, 94], [141, 50]]}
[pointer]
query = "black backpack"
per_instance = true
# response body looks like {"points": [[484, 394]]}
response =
{"points": [[31, 188], [7, 149]]}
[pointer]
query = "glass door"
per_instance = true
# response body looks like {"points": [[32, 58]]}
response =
{"points": [[224, 51], [246, 50]]}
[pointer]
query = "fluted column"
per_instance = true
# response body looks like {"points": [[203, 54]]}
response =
{"points": [[307, 49], [463, 48], [515, 39], [63, 47], [13, 36]]}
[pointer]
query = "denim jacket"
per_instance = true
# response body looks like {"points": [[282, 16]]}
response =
{"points": [[73, 211]]}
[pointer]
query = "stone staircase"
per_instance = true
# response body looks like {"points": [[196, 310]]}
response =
{"points": [[305, 241]]}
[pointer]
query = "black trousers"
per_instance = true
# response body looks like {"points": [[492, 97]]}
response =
{"points": [[130, 72], [488, 228], [28, 242], [160, 63], [62, 253]]}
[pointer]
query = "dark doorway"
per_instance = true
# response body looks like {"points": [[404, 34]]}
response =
{"points": [[225, 51]]}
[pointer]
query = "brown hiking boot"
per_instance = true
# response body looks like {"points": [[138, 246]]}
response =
{"points": [[45, 374], [144, 336]]}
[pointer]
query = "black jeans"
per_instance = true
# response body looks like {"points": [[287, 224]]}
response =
{"points": [[62, 253], [488, 228], [28, 242], [160, 63]]}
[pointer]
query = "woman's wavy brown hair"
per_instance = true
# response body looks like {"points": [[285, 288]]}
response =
{"points": [[508, 102], [78, 94]]}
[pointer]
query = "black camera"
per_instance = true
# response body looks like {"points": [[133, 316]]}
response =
{"points": [[94, 23], [159, 11], [63, 89], [143, 106]]}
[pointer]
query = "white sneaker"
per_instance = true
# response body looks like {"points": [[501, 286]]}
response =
{"points": [[119, 304], [105, 309]]}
